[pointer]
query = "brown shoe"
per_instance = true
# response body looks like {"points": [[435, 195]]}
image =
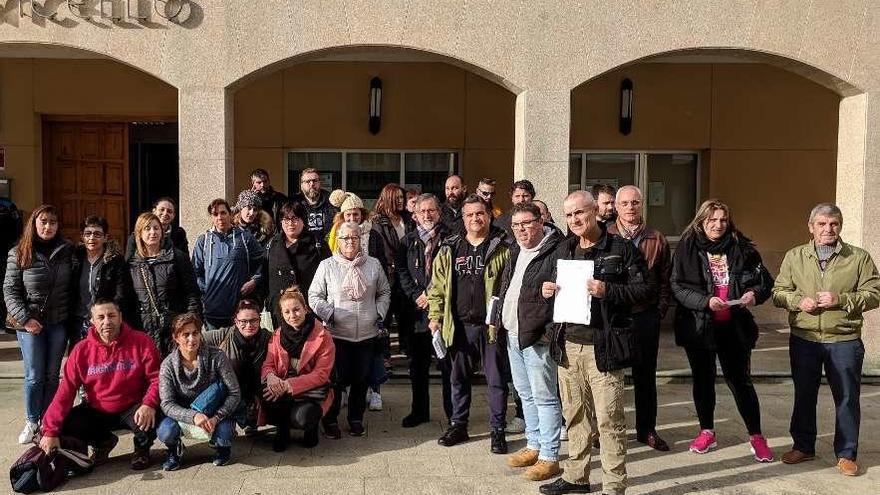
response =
{"points": [[522, 457], [847, 467], [542, 470], [795, 456]]}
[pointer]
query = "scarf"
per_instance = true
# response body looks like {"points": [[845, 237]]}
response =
{"points": [[824, 253], [714, 247], [249, 374], [293, 339], [430, 238], [354, 284], [630, 234]]}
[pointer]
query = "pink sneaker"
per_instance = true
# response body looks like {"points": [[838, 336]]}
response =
{"points": [[704, 441], [761, 449]]}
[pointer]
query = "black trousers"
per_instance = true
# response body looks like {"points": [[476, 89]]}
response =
{"points": [[843, 368], [94, 427], [471, 346], [420, 351], [735, 361], [644, 371], [352, 369], [288, 412]]}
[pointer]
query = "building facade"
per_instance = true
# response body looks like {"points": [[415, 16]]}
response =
{"points": [[767, 105]]}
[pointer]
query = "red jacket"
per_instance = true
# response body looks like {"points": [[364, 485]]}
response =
{"points": [[315, 364], [115, 377]]}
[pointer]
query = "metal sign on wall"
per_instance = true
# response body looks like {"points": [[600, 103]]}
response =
{"points": [[116, 11]]}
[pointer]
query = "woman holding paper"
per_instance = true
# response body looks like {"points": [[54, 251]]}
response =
{"points": [[717, 274]]}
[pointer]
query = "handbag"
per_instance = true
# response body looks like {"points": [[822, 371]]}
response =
{"points": [[37, 471]]}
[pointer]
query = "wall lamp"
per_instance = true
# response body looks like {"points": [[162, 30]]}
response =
{"points": [[626, 106], [375, 105]]}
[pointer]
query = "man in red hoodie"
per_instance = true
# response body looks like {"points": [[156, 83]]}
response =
{"points": [[118, 368]]}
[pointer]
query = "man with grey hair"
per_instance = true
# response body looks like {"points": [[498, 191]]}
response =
{"points": [[630, 225], [414, 265], [826, 285]]}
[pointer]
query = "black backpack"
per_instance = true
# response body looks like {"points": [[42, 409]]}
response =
{"points": [[37, 471]]}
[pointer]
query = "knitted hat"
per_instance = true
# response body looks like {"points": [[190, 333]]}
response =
{"points": [[337, 197], [247, 198], [345, 201]]}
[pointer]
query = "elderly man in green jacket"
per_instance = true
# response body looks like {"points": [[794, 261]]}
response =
{"points": [[465, 271], [826, 285]]}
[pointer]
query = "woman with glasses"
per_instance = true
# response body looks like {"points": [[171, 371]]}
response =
{"points": [[351, 295], [293, 256], [245, 344], [36, 290], [100, 272]]}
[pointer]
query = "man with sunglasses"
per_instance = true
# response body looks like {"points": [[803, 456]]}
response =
{"points": [[486, 192], [522, 191]]}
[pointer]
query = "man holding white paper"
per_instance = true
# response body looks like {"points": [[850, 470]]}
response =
{"points": [[591, 357]]}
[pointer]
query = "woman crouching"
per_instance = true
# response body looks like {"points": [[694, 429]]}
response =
{"points": [[296, 373], [197, 388]]}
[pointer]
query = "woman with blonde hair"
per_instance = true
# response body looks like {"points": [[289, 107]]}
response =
{"points": [[164, 282], [296, 389]]}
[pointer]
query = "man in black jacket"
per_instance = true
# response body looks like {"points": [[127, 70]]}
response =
{"points": [[592, 357], [414, 258], [525, 316], [456, 191], [316, 201], [522, 191], [270, 199]]}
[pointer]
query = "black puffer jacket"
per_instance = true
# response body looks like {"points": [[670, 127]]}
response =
{"points": [[386, 232], [169, 282], [623, 269], [112, 282], [294, 265], [534, 312], [43, 291], [694, 322], [175, 237]]}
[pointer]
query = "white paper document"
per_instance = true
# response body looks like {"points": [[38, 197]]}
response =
{"points": [[439, 345], [572, 304]]}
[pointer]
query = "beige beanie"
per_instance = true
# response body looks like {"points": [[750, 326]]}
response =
{"points": [[337, 197], [351, 201]]}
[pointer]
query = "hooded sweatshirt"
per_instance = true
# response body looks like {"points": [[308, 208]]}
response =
{"points": [[115, 376], [223, 263]]}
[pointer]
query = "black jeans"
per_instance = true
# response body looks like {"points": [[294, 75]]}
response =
{"points": [[287, 412], [735, 361], [351, 369], [644, 371], [420, 350], [470, 345], [843, 369], [94, 427]]}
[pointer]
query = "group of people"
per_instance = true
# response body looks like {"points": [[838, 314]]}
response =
{"points": [[171, 345]]}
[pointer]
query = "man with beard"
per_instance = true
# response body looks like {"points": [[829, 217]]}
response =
{"points": [[414, 270], [316, 201], [603, 194], [521, 192], [451, 211], [270, 199]]}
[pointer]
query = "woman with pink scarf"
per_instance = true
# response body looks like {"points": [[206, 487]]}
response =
{"points": [[350, 294]]}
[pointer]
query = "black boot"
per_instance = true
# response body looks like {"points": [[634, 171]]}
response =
{"points": [[310, 437], [499, 441], [282, 438]]}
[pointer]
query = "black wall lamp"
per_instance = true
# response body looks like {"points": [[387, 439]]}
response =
{"points": [[375, 105], [626, 106]]}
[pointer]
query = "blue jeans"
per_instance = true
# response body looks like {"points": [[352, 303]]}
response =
{"points": [[535, 379], [843, 369], [169, 433], [41, 355]]}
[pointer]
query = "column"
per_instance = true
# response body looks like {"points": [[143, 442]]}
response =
{"points": [[205, 119], [543, 119]]}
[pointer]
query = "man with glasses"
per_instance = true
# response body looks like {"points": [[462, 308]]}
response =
{"points": [[522, 191], [465, 271], [316, 201], [630, 225], [414, 266], [524, 317]]}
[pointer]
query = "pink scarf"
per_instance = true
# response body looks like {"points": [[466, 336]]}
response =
{"points": [[354, 284]]}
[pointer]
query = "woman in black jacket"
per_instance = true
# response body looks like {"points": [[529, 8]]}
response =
{"points": [[37, 293], [164, 282], [294, 254], [100, 273], [172, 235], [717, 273]]}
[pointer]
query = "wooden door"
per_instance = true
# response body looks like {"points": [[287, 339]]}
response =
{"points": [[85, 167]]}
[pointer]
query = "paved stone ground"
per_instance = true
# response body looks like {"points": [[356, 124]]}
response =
{"points": [[393, 460]]}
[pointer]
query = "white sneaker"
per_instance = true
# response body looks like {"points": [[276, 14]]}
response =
{"points": [[515, 425], [375, 402], [28, 433], [563, 434]]}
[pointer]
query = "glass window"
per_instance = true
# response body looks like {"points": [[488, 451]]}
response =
{"points": [[429, 171], [575, 166], [367, 173], [616, 169], [329, 165], [671, 191]]}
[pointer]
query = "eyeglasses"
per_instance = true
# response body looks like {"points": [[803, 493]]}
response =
{"points": [[249, 323], [93, 233], [523, 225], [485, 194], [310, 181], [350, 239], [290, 220]]}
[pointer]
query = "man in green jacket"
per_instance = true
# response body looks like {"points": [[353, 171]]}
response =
{"points": [[826, 285], [465, 271]]}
